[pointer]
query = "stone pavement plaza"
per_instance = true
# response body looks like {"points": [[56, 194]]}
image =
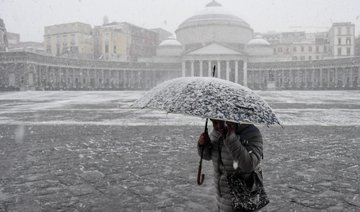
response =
{"points": [[106, 168], [90, 167]]}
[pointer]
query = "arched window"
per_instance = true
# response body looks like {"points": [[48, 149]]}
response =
{"points": [[348, 41]]}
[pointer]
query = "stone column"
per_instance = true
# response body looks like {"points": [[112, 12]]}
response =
{"points": [[82, 77], [227, 70], [117, 76], [218, 69], [192, 68], [321, 77], [344, 75], [358, 79], [305, 77], [103, 78], [245, 73], [209, 69], [123, 80], [66, 78], [236, 71], [313, 77], [201, 68], [183, 67], [88, 78], [72, 77], [336, 77], [350, 77], [290, 78]]}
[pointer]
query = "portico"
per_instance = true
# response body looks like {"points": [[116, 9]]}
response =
{"points": [[230, 64]]}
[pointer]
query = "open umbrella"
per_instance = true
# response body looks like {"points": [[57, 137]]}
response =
{"points": [[208, 98]]}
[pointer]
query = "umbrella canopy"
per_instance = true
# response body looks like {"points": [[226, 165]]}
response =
{"points": [[208, 97]]}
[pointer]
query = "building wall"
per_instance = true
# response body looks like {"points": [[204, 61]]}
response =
{"points": [[131, 42], [292, 37], [143, 42], [342, 39], [24, 70], [70, 39], [30, 71], [342, 73], [111, 44], [272, 38], [3, 37], [28, 46], [302, 51], [357, 46], [338, 42], [162, 34], [13, 38]]}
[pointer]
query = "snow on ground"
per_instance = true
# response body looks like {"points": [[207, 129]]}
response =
{"points": [[327, 108], [83, 151]]}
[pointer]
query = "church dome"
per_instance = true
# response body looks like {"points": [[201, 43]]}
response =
{"points": [[258, 47], [258, 41], [169, 47], [170, 42], [213, 13], [213, 24]]}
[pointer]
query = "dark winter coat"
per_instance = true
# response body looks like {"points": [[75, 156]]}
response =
{"points": [[242, 150]]}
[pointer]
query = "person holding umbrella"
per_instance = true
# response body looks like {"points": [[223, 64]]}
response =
{"points": [[231, 146], [235, 149]]}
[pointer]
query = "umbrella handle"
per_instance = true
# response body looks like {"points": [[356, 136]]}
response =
{"points": [[200, 177]]}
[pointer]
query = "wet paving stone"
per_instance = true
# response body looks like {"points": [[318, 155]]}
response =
{"points": [[154, 168]]}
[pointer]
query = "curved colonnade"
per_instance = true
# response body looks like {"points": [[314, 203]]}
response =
{"points": [[30, 71]]}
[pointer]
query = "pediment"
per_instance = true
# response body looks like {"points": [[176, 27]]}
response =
{"points": [[214, 49]]}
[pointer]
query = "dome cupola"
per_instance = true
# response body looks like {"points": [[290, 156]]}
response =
{"points": [[258, 47], [258, 41], [169, 47], [213, 24]]}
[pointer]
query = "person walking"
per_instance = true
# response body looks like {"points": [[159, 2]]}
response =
{"points": [[231, 146]]}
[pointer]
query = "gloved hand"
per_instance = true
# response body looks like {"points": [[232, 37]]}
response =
{"points": [[231, 127], [204, 138]]}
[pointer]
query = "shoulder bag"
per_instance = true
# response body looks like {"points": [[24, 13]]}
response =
{"points": [[247, 189]]}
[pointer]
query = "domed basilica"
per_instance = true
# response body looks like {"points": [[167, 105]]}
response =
{"points": [[215, 37]]}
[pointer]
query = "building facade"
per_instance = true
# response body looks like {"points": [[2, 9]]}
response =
{"points": [[124, 42], [338, 42], [30, 71], [357, 46], [342, 40], [13, 38], [111, 43], [213, 37], [69, 40], [3, 36]]}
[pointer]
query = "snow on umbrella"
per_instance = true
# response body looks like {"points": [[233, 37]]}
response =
{"points": [[209, 98]]}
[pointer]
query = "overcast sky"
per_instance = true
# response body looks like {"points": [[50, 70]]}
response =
{"points": [[28, 17]]}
